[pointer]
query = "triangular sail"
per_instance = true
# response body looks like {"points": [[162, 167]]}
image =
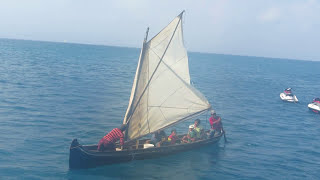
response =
{"points": [[161, 94]]}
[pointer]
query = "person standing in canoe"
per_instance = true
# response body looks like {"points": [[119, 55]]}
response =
{"points": [[215, 122], [108, 142]]}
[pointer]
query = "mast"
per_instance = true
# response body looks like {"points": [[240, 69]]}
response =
{"points": [[145, 39]]}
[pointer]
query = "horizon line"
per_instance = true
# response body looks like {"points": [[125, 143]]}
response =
{"points": [[120, 46]]}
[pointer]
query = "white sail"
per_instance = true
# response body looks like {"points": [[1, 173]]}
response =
{"points": [[133, 90], [161, 94]]}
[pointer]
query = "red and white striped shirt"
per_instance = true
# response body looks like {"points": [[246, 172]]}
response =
{"points": [[114, 135]]}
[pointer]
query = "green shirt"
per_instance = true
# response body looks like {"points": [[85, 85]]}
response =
{"points": [[192, 134], [198, 131]]}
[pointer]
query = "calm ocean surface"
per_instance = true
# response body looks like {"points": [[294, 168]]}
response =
{"points": [[51, 93]]}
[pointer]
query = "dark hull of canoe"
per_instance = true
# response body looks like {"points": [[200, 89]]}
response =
{"points": [[87, 157]]}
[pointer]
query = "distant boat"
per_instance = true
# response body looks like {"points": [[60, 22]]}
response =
{"points": [[315, 105], [161, 97], [288, 96]]}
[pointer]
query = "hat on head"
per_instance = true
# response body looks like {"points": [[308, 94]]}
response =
{"points": [[212, 111], [191, 126], [123, 127]]}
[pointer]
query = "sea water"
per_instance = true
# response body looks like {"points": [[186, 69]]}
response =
{"points": [[51, 93]]}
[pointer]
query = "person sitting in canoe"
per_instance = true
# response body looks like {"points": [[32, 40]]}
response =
{"points": [[108, 142], [198, 129], [191, 136], [173, 138], [158, 138], [215, 123], [288, 92]]}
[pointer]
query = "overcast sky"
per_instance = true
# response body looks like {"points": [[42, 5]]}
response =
{"points": [[269, 28]]}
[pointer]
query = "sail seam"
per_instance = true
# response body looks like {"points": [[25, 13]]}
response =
{"points": [[159, 42], [162, 114], [170, 68], [154, 52], [171, 95], [176, 74], [164, 62]]}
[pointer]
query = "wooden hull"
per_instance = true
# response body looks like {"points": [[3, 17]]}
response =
{"points": [[87, 157]]}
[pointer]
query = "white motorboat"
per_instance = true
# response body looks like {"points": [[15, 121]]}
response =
{"points": [[315, 105], [288, 96]]}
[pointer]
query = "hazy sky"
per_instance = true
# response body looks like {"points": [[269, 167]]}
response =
{"points": [[269, 28]]}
